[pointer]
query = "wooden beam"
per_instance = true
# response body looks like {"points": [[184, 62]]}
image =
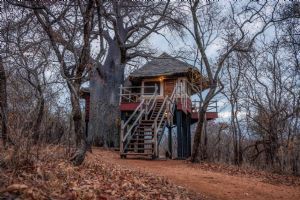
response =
{"points": [[179, 133]]}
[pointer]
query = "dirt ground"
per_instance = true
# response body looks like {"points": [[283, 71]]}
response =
{"points": [[216, 185]]}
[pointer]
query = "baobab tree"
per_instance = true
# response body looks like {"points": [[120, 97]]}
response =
{"points": [[123, 26]]}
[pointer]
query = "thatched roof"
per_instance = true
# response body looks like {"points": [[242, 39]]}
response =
{"points": [[166, 66]]}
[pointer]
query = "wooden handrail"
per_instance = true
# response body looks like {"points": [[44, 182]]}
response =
{"points": [[212, 106], [129, 96], [173, 93], [138, 87], [156, 118], [155, 139], [123, 138], [154, 97], [134, 123], [156, 125], [135, 111]]}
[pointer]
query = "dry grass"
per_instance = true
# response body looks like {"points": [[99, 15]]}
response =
{"points": [[251, 172], [53, 177]]}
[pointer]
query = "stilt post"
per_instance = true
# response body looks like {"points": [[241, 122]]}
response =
{"points": [[121, 137], [155, 140], [170, 141]]}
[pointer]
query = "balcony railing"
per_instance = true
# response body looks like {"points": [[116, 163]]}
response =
{"points": [[135, 94], [212, 106]]}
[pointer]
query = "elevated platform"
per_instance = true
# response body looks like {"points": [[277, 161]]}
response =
{"points": [[209, 116], [192, 108]]}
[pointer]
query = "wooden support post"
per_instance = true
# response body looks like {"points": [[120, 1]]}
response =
{"points": [[121, 138], [86, 128], [170, 141], [184, 136], [179, 133], [121, 87], [189, 137], [155, 140]]}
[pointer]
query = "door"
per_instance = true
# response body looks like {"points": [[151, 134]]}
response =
{"points": [[169, 85]]}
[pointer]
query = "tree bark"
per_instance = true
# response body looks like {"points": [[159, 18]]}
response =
{"points": [[39, 117], [79, 155], [104, 109], [3, 103], [198, 136]]}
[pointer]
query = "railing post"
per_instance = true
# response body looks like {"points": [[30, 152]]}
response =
{"points": [[146, 109], [121, 94], [155, 139], [121, 137], [186, 98]]}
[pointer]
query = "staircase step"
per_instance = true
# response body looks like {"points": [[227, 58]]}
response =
{"points": [[137, 154], [147, 123], [145, 135], [143, 131], [144, 139], [137, 149], [140, 143], [157, 118], [143, 126], [147, 126]]}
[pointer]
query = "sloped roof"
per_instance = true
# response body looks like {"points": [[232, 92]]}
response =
{"points": [[164, 65]]}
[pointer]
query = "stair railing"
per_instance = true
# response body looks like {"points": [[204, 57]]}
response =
{"points": [[156, 125], [128, 128], [168, 112], [172, 103], [151, 102], [144, 109]]}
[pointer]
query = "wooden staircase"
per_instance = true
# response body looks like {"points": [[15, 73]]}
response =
{"points": [[142, 132], [145, 135]]}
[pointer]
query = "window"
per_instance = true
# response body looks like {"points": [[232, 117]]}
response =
{"points": [[149, 87]]}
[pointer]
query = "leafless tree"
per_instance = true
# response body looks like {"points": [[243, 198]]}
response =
{"points": [[3, 103], [238, 38], [68, 27], [234, 70]]}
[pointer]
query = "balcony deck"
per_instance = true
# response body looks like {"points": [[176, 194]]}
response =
{"points": [[192, 107]]}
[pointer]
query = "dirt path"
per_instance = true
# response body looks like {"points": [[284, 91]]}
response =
{"points": [[212, 184]]}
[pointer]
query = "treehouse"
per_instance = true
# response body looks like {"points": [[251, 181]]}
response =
{"points": [[157, 98]]}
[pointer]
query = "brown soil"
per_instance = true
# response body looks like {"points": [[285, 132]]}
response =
{"points": [[218, 185], [52, 176]]}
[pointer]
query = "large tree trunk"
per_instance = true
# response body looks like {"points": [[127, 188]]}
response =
{"points": [[3, 103], [104, 103], [81, 146], [198, 136]]}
